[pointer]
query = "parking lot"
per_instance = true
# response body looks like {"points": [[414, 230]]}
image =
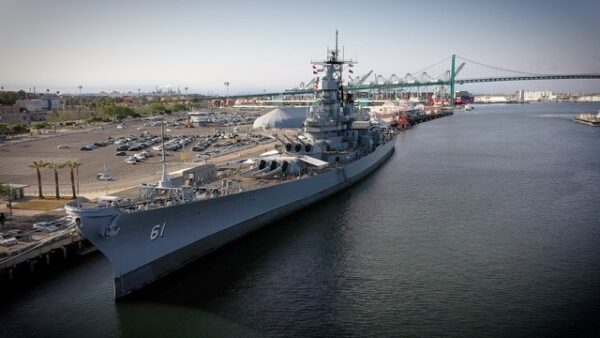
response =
{"points": [[16, 158]]}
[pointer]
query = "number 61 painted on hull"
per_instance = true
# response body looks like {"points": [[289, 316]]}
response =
{"points": [[157, 231]]}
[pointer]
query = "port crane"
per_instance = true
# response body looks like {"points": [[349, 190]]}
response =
{"points": [[362, 79]]}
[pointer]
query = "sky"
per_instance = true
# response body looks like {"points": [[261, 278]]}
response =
{"points": [[268, 45]]}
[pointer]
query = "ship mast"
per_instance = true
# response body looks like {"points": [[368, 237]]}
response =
{"points": [[165, 180], [336, 42], [327, 117]]}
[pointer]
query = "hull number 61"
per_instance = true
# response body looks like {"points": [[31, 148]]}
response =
{"points": [[157, 231]]}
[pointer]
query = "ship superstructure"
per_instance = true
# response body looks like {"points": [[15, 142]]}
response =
{"points": [[171, 224]]}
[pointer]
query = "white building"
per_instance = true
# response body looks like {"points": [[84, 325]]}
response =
{"points": [[198, 117], [282, 118], [589, 98], [539, 96], [491, 99]]}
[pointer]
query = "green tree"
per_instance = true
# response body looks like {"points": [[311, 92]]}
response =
{"points": [[18, 128], [55, 166], [179, 107], [158, 107], [4, 129], [8, 98], [37, 165], [73, 164], [40, 125], [118, 112], [5, 191]]}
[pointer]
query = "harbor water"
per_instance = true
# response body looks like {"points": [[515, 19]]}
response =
{"points": [[485, 223]]}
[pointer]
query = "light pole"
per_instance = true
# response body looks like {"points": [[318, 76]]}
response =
{"points": [[226, 97], [79, 107], [77, 168], [10, 192]]}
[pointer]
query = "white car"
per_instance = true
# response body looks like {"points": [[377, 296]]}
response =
{"points": [[62, 222], [140, 157], [45, 227], [63, 146], [131, 160], [7, 240]]}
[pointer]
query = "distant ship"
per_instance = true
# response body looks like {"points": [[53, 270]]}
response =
{"points": [[169, 224], [390, 111], [463, 97]]}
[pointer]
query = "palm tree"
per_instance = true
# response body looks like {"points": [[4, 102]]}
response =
{"points": [[5, 190], [55, 166], [73, 164], [37, 165]]}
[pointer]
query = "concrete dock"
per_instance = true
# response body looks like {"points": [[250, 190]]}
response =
{"points": [[24, 258]]}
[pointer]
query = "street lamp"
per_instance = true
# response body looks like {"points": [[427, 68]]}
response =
{"points": [[79, 107], [78, 201], [10, 192], [226, 97]]}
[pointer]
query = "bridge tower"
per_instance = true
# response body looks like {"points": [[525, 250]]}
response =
{"points": [[452, 75]]}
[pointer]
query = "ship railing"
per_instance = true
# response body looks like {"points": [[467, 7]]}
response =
{"points": [[138, 205]]}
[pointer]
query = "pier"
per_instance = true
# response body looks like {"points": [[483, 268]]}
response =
{"points": [[41, 251]]}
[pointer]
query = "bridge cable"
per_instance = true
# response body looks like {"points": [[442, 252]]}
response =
{"points": [[499, 68], [424, 69]]}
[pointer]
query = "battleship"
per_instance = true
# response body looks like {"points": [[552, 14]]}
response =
{"points": [[171, 224]]}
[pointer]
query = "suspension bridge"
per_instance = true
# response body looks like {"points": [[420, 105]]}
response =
{"points": [[468, 71]]}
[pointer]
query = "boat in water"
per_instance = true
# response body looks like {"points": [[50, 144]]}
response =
{"points": [[172, 223], [589, 119]]}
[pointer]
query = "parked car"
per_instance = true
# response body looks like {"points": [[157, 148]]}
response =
{"points": [[20, 235], [45, 227], [104, 176], [120, 153], [63, 146], [62, 222], [7, 240], [87, 147], [131, 160]]}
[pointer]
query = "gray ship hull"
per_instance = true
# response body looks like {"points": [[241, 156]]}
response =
{"points": [[183, 233]]}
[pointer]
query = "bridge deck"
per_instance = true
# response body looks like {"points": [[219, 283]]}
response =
{"points": [[432, 83]]}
